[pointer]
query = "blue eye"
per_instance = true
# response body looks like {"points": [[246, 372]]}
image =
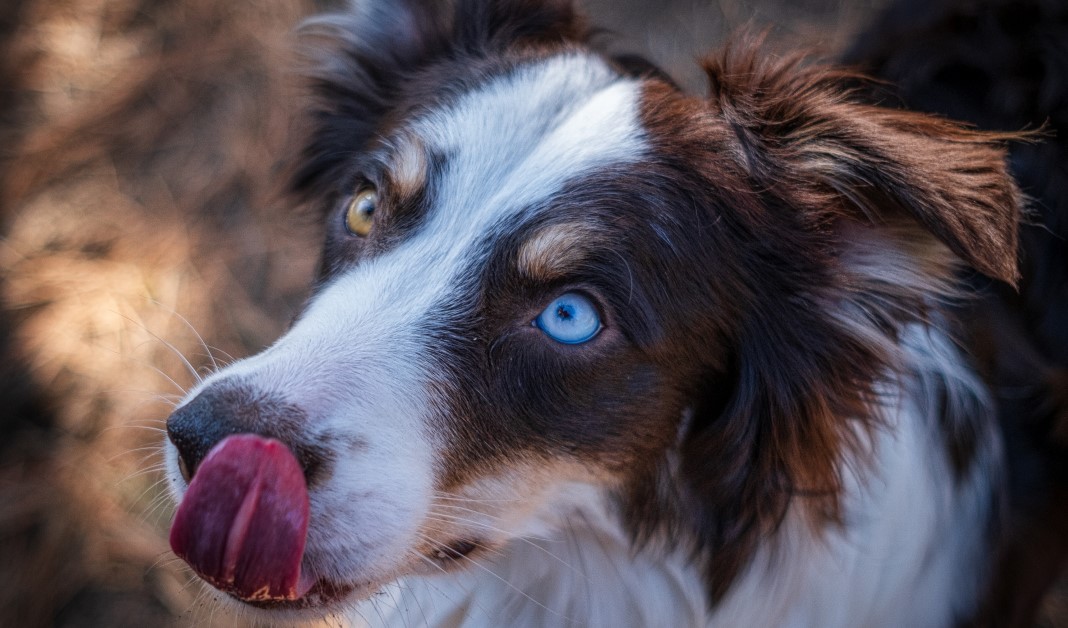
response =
{"points": [[570, 319]]}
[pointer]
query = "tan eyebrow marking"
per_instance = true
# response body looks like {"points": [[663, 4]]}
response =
{"points": [[555, 249], [408, 167]]}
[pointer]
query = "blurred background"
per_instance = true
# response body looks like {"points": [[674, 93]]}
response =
{"points": [[143, 239]]}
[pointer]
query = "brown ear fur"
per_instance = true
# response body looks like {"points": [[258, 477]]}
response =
{"points": [[803, 134], [826, 242]]}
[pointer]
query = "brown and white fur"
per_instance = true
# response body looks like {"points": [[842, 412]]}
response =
{"points": [[777, 424]]}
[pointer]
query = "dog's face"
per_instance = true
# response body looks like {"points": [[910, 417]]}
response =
{"points": [[488, 329], [483, 334], [546, 272]]}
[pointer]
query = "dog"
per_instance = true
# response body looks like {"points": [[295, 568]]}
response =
{"points": [[585, 349]]}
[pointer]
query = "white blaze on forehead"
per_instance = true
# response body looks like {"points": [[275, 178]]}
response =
{"points": [[518, 140]]}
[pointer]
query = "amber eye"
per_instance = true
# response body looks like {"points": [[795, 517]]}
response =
{"points": [[360, 213]]}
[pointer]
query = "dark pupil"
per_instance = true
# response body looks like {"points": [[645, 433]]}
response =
{"points": [[564, 312], [366, 206]]}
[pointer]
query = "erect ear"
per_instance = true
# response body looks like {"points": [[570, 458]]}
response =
{"points": [[366, 58], [803, 136]]}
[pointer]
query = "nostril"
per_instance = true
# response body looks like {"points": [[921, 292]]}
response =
{"points": [[188, 441], [228, 408], [183, 468], [198, 426]]}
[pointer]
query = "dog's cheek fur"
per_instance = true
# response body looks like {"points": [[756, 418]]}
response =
{"points": [[607, 416]]}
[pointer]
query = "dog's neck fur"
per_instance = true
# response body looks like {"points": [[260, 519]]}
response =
{"points": [[909, 528]]}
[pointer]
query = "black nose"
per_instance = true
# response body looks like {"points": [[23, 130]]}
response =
{"points": [[224, 409]]}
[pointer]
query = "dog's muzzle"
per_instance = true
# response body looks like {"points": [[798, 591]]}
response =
{"points": [[242, 524]]}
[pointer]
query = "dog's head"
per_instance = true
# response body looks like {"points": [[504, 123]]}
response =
{"points": [[547, 269]]}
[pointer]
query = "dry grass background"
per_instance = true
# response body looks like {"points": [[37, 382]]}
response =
{"points": [[141, 146], [139, 197]]}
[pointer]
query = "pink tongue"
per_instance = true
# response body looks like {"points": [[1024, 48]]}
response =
{"points": [[244, 520]]}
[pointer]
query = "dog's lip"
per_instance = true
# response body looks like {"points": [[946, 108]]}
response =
{"points": [[457, 549], [326, 593], [323, 593]]}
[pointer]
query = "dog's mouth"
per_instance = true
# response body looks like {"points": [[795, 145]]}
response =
{"points": [[242, 526], [322, 594], [325, 593]]}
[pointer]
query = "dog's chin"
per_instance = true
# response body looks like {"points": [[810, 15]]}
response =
{"points": [[325, 599], [330, 598]]}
